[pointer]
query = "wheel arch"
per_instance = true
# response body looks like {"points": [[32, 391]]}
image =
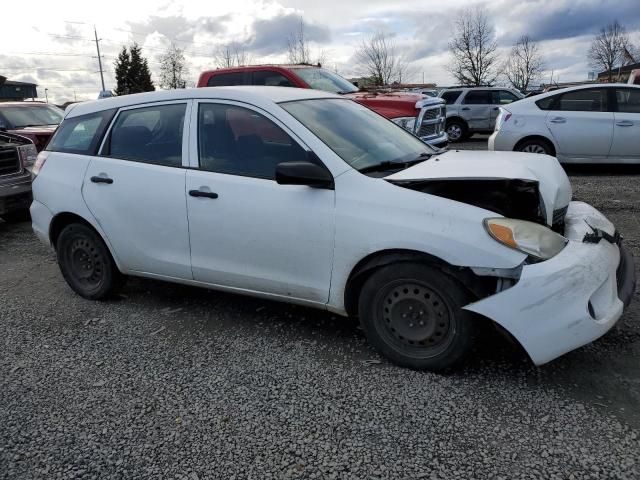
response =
{"points": [[479, 286], [62, 219], [543, 138], [457, 118]]}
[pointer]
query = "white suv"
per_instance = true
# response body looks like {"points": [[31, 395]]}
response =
{"points": [[585, 124], [306, 197]]}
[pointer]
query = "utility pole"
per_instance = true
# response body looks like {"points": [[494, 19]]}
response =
{"points": [[99, 57], [46, 97]]}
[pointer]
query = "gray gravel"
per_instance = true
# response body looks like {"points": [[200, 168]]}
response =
{"points": [[175, 382]]}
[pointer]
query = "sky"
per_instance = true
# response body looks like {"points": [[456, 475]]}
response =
{"points": [[53, 44]]}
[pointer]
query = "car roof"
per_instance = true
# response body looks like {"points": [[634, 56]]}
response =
{"points": [[478, 88], [535, 98], [256, 95], [22, 104]]}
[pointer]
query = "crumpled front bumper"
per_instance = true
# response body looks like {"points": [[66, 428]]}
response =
{"points": [[571, 299]]}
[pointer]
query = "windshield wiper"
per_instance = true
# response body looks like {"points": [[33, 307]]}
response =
{"points": [[388, 165]]}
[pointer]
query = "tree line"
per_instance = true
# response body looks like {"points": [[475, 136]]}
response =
{"points": [[475, 58]]}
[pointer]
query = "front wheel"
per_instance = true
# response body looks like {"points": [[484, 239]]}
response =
{"points": [[456, 131], [86, 264], [413, 315]]}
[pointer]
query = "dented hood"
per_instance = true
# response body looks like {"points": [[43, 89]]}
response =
{"points": [[553, 183]]}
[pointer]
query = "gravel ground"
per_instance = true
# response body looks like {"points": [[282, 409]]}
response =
{"points": [[174, 382]]}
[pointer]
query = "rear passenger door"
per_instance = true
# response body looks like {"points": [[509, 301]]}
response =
{"points": [[626, 128], [135, 189], [476, 109]]}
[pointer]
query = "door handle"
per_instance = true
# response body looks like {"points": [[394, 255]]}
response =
{"points": [[102, 180], [201, 193], [558, 120], [625, 123], [465, 108], [496, 108]]}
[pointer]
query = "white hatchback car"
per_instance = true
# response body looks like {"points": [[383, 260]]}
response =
{"points": [[585, 124], [306, 197]]}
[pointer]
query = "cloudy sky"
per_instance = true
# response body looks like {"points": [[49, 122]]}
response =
{"points": [[53, 44]]}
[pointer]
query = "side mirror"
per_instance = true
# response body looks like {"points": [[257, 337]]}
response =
{"points": [[304, 173]]}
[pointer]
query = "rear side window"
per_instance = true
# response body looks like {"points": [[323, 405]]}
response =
{"points": [[478, 97], [546, 103], [81, 134], [503, 97], [628, 100], [227, 79], [239, 141], [148, 134], [451, 96], [589, 100], [269, 78]]}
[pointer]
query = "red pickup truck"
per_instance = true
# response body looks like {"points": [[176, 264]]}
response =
{"points": [[422, 115]]}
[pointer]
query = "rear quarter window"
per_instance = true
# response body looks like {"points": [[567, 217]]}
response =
{"points": [[227, 79], [82, 134]]}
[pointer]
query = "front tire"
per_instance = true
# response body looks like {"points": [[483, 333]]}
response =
{"points": [[457, 131], [412, 314], [86, 264]]}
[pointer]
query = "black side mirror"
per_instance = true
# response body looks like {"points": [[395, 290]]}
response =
{"points": [[304, 173]]}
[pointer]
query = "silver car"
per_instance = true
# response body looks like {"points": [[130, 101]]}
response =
{"points": [[474, 109]]}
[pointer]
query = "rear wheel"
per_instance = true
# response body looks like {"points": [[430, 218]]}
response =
{"points": [[413, 315], [456, 131], [535, 145], [86, 264]]}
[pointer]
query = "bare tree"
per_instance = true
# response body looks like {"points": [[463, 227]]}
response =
{"points": [[173, 68], [609, 48], [231, 54], [524, 64], [298, 45], [474, 49], [379, 57]]}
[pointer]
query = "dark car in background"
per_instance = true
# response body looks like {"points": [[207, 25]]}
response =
{"points": [[17, 156], [35, 120]]}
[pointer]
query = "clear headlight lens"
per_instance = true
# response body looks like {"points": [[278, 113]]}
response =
{"points": [[27, 154], [408, 123], [531, 238]]}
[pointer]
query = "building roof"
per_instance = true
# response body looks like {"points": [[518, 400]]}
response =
{"points": [[623, 68], [20, 84]]}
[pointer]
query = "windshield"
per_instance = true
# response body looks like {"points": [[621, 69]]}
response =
{"points": [[320, 79], [32, 115], [361, 137]]}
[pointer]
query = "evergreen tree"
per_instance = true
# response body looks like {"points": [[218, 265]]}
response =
{"points": [[132, 72], [122, 72]]}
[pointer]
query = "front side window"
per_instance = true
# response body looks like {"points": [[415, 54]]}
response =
{"points": [[81, 134], [321, 79], [270, 79], [227, 79], [359, 136], [148, 134], [451, 96], [31, 115], [503, 97], [628, 100], [588, 100], [478, 97], [239, 141]]}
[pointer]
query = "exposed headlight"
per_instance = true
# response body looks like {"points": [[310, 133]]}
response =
{"points": [[408, 123], [531, 238], [27, 154]]}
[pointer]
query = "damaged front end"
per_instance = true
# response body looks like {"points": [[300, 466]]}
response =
{"points": [[512, 198]]}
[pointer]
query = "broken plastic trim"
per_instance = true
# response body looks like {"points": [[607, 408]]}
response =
{"points": [[598, 235]]}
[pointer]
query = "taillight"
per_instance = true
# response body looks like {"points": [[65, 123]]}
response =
{"points": [[27, 154], [40, 159], [503, 117]]}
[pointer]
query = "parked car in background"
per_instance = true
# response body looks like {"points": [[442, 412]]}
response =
{"points": [[17, 156], [34, 120], [586, 124], [423, 116], [307, 197], [474, 110]]}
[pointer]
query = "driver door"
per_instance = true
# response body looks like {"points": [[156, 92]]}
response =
{"points": [[247, 231]]}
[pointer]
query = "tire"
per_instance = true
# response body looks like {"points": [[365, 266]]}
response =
{"points": [[457, 131], [412, 314], [86, 264], [535, 145], [17, 216]]}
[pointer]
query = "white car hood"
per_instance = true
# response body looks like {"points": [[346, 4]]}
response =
{"points": [[553, 182]]}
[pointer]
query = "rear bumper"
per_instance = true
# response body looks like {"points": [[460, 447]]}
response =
{"points": [[41, 218], [502, 141], [570, 300], [15, 195]]}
